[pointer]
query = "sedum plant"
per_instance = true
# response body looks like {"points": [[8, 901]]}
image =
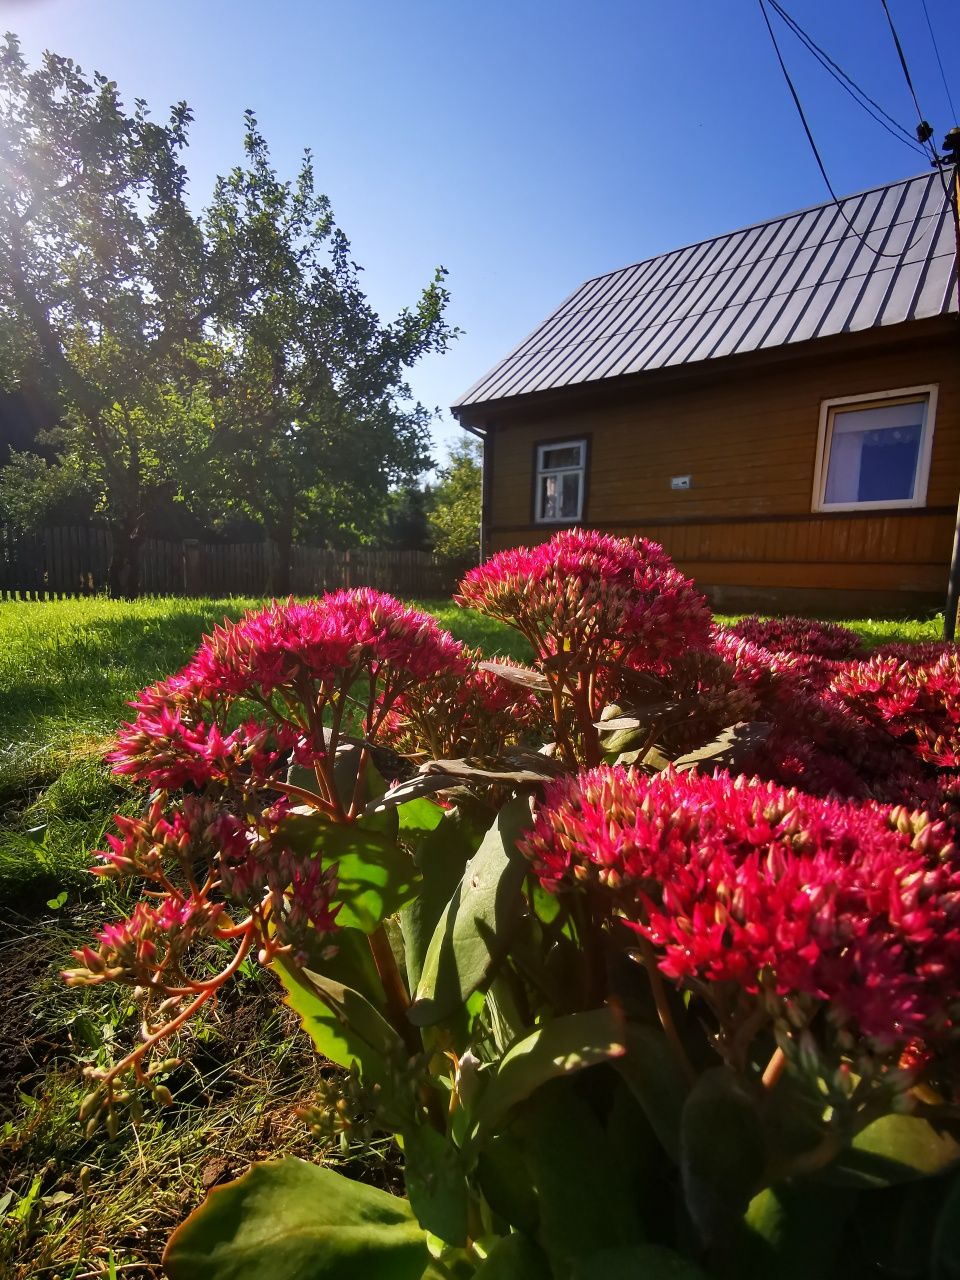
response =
{"points": [[646, 954]]}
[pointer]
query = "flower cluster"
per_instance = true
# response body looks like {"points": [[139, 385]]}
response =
{"points": [[593, 608], [467, 712], [782, 894], [802, 636], [817, 742], [321, 645], [583, 593], [916, 704], [293, 661]]}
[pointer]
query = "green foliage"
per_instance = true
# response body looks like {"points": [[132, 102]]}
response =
{"points": [[230, 361], [102, 271], [375, 876], [344, 1025], [562, 1047], [473, 932], [34, 491], [290, 1218], [312, 421], [454, 510]]}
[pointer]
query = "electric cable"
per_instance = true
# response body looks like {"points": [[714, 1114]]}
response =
{"points": [[936, 50], [924, 128], [816, 151], [906, 70], [848, 84]]}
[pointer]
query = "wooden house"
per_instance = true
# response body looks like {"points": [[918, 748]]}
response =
{"points": [[780, 407]]}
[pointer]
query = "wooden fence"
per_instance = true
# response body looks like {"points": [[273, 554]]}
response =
{"points": [[75, 562]]}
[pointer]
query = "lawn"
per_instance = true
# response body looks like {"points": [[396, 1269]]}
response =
{"points": [[66, 670]]}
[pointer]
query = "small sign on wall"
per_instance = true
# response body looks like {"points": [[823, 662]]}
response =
{"points": [[680, 482]]}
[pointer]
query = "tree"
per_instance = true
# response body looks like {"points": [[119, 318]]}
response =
{"points": [[454, 512], [406, 525], [313, 422], [101, 284]]}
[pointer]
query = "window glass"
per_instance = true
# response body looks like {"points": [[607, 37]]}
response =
{"points": [[560, 496], [560, 481], [562, 456], [874, 453]]}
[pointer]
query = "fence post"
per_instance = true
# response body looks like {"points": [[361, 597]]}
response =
{"points": [[191, 567], [346, 569]]}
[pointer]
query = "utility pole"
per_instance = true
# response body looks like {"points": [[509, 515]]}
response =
{"points": [[951, 152]]}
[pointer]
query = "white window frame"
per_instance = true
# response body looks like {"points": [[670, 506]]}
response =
{"points": [[905, 395], [540, 471]]}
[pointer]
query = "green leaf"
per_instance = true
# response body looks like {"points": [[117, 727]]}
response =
{"points": [[290, 1220], [793, 1232], [514, 1257], [897, 1226], [351, 963], [892, 1150], [638, 1262], [560, 1048], [504, 1179], [945, 1246], [473, 933], [375, 877], [518, 675], [722, 1153], [728, 750], [419, 817], [441, 853], [585, 1205], [652, 1074], [344, 1026], [436, 1184]]}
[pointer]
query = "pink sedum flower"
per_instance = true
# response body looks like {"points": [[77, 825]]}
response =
{"points": [[918, 704], [323, 644], [583, 591], [778, 892], [802, 636]]}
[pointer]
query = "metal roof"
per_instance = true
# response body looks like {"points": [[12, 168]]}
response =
{"points": [[879, 258]]}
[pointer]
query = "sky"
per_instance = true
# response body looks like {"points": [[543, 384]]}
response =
{"points": [[525, 145]]}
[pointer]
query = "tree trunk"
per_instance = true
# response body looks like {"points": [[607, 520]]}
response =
{"points": [[281, 555], [123, 576]]}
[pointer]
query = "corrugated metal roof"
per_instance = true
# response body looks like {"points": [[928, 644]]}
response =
{"points": [[883, 257]]}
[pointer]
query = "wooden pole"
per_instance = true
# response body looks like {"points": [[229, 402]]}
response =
{"points": [[952, 146], [953, 586]]}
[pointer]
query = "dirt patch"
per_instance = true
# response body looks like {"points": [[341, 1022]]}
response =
{"points": [[28, 1043], [75, 1201]]}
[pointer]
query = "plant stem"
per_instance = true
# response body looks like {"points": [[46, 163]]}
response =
{"points": [[394, 989], [774, 1068], [663, 1008]]}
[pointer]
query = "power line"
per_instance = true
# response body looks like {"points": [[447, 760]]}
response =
{"points": [[936, 50], [815, 149], [848, 84], [924, 128]]}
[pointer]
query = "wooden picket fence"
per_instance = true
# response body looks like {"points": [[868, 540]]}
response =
{"points": [[67, 562]]}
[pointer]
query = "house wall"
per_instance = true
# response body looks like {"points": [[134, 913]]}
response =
{"points": [[748, 437]]}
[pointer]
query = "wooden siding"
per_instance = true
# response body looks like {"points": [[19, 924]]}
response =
{"points": [[749, 441]]}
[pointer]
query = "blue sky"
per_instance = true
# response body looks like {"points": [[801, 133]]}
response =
{"points": [[524, 144]]}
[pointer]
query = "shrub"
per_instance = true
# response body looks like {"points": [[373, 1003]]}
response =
{"points": [[801, 635], [631, 949]]}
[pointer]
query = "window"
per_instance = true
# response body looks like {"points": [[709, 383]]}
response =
{"points": [[874, 451], [559, 481]]}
